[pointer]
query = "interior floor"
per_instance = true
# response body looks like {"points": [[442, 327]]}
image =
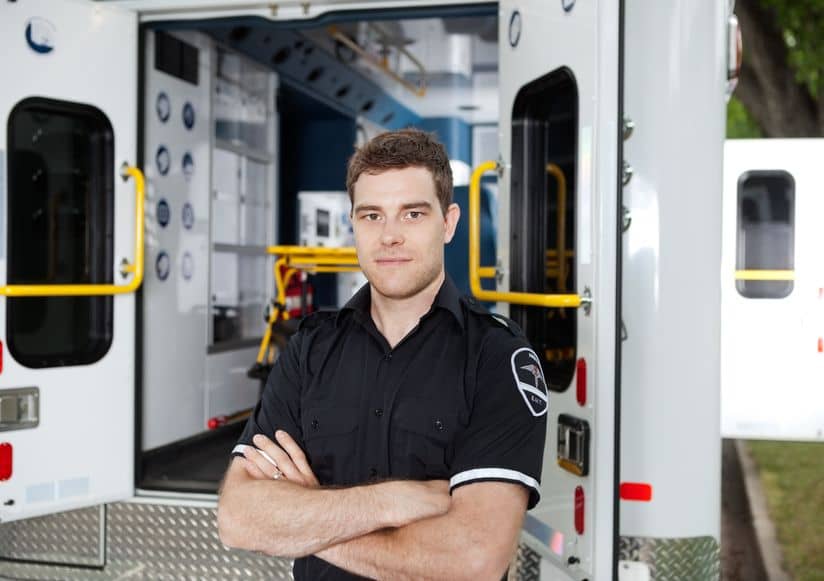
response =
{"points": [[194, 465]]}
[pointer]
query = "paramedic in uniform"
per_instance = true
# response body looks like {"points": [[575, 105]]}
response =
{"points": [[401, 437]]}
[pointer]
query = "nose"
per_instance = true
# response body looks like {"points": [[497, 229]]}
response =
{"points": [[391, 234]]}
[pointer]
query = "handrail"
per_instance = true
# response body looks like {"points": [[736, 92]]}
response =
{"points": [[518, 298], [758, 274], [136, 268], [556, 172]]}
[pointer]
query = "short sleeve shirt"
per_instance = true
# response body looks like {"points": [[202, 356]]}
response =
{"points": [[462, 397]]}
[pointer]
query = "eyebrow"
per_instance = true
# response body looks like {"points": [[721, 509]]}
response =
{"points": [[408, 206]]}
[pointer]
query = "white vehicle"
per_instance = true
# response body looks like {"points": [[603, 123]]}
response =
{"points": [[772, 340], [606, 124]]}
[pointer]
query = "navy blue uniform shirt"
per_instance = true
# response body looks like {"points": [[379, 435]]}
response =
{"points": [[462, 398]]}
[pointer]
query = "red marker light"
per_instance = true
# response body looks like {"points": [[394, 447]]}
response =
{"points": [[215, 422], [636, 491], [579, 510], [581, 382], [5, 461], [821, 345]]}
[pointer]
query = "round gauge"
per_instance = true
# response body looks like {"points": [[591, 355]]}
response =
{"points": [[163, 160], [514, 29], [188, 165], [188, 216], [163, 107], [187, 266], [188, 115], [163, 213], [162, 265]]}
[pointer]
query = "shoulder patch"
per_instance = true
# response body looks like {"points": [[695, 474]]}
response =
{"points": [[529, 379]]}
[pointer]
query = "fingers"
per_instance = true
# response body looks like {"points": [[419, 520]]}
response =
{"points": [[253, 471], [259, 466], [296, 454], [281, 458]]}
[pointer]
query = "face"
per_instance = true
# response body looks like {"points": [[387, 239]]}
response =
{"points": [[400, 230]]}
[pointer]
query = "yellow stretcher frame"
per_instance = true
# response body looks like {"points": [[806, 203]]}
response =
{"points": [[313, 259], [89, 290], [475, 268]]}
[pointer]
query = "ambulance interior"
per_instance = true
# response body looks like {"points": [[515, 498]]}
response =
{"points": [[247, 125]]}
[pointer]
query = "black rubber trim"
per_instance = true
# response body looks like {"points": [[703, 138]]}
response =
{"points": [[619, 233], [142, 31]]}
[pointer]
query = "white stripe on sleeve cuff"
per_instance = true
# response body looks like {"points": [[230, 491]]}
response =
{"points": [[240, 449], [492, 474]]}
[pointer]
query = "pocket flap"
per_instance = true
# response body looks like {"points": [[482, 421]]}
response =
{"points": [[425, 418]]}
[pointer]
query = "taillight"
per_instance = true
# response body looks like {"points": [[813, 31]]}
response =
{"points": [[581, 381], [638, 491], [5, 461], [579, 510]]}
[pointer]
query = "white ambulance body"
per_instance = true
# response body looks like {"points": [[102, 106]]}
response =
{"points": [[772, 296], [605, 121]]}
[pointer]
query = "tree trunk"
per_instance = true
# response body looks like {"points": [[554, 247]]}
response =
{"points": [[768, 87]]}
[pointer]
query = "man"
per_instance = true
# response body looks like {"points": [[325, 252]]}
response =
{"points": [[408, 427]]}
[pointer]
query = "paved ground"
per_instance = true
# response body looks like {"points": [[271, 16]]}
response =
{"points": [[740, 555]]}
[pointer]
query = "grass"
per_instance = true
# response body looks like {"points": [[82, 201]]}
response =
{"points": [[792, 474]]}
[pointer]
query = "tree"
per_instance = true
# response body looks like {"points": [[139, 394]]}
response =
{"points": [[783, 68]]}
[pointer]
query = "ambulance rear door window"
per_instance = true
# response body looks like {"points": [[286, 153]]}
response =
{"points": [[765, 244]]}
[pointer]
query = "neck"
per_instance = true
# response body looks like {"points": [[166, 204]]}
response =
{"points": [[395, 318]]}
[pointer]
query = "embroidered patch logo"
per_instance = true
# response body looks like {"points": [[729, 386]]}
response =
{"points": [[526, 367]]}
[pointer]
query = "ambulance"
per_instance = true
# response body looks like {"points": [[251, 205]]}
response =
{"points": [[167, 163], [772, 290]]}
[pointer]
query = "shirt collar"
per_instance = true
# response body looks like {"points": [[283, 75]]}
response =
{"points": [[448, 298]]}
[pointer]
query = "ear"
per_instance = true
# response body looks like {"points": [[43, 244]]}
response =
{"points": [[453, 214]]}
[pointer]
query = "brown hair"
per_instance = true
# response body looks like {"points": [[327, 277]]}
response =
{"points": [[398, 150]]}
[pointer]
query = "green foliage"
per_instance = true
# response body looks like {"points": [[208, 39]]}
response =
{"points": [[740, 125], [791, 473], [803, 24]]}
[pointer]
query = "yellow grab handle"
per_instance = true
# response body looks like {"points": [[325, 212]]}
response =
{"points": [[518, 298], [764, 275], [77, 290]]}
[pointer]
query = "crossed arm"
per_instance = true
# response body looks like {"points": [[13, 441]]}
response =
{"points": [[395, 529]]}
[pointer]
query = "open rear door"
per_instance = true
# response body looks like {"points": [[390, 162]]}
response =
{"points": [[559, 198], [772, 290], [69, 255]]}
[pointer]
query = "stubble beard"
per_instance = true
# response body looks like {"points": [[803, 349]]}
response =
{"points": [[416, 284]]}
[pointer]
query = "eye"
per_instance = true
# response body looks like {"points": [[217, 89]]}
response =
{"points": [[414, 214], [371, 216]]}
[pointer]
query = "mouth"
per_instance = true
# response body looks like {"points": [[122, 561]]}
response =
{"points": [[392, 261]]}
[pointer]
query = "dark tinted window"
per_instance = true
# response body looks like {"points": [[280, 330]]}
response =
{"points": [[543, 198], [766, 231], [60, 208]]}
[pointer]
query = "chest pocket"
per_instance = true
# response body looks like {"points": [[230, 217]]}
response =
{"points": [[328, 434], [422, 439]]}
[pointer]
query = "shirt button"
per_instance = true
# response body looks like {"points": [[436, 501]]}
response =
{"points": [[315, 424], [388, 357], [378, 412], [439, 425], [373, 472]]}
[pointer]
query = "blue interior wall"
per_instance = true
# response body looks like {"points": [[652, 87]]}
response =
{"points": [[315, 142], [456, 135]]}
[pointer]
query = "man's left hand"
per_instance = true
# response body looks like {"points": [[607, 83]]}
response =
{"points": [[285, 460]]}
